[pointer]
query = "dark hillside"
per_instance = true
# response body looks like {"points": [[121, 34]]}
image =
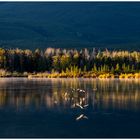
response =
{"points": [[32, 25]]}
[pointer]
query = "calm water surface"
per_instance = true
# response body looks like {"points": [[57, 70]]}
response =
{"points": [[54, 108]]}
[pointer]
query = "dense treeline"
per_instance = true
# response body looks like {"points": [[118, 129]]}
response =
{"points": [[63, 60]]}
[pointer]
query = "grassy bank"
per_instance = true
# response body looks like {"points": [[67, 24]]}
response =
{"points": [[86, 75], [63, 74], [4, 73]]}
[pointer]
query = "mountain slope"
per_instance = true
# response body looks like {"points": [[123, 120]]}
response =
{"points": [[68, 24]]}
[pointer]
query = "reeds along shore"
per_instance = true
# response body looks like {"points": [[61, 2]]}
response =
{"points": [[71, 75], [63, 63], [85, 75]]}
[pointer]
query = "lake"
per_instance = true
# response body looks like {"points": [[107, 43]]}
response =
{"points": [[69, 108]]}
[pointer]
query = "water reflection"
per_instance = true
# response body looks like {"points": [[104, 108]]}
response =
{"points": [[63, 95]]}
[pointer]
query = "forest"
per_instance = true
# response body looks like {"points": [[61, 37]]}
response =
{"points": [[56, 62]]}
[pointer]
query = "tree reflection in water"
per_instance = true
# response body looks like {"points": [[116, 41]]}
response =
{"points": [[64, 94]]}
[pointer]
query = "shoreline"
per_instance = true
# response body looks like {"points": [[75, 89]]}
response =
{"points": [[85, 74], [100, 77]]}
